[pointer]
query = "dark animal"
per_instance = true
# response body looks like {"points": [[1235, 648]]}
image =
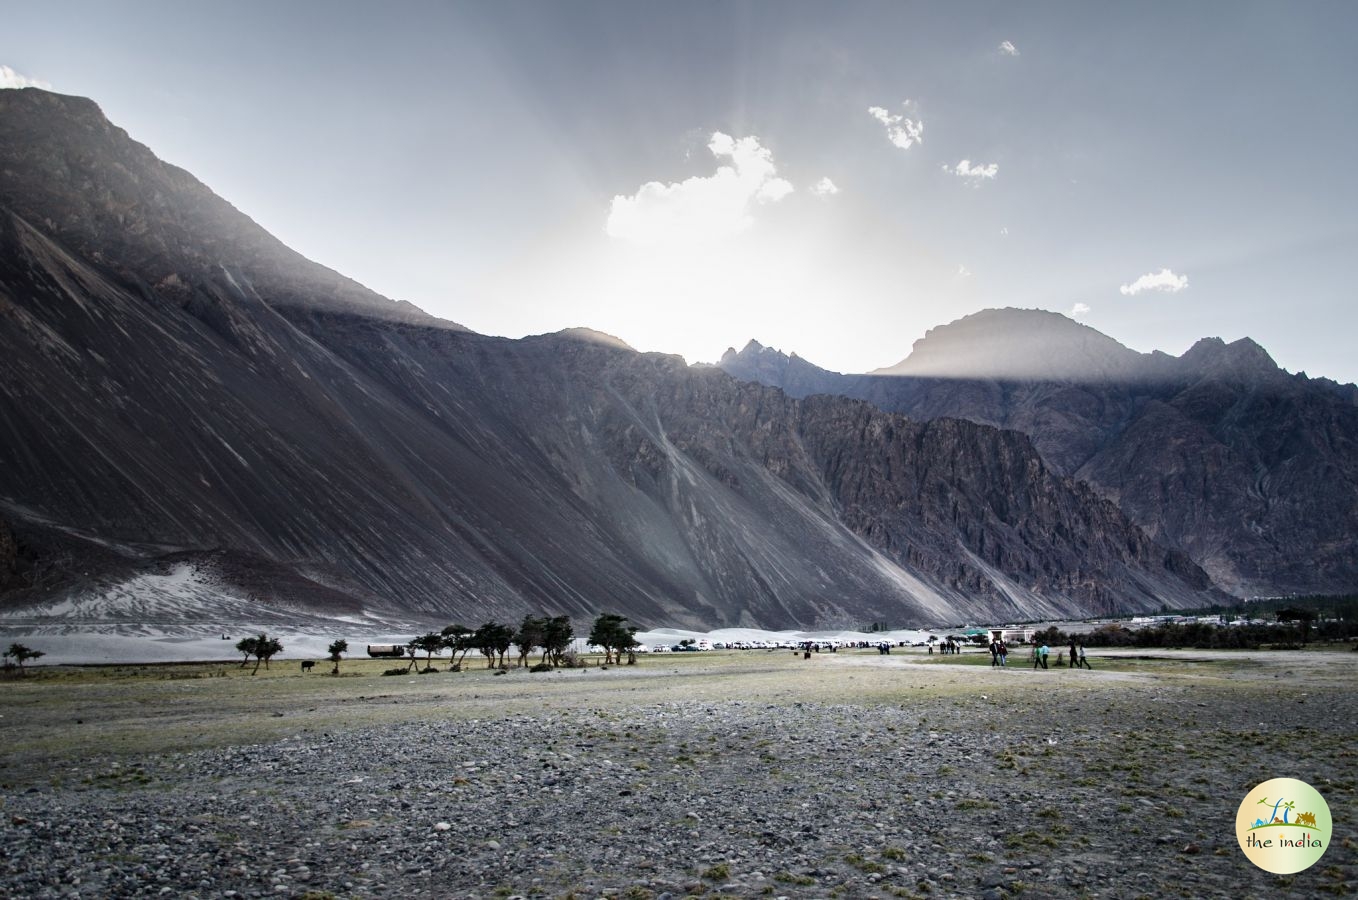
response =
{"points": [[307, 665]]}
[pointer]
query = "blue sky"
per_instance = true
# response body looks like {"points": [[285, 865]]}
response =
{"points": [[832, 179]]}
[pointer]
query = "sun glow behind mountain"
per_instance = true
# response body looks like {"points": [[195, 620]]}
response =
{"points": [[831, 180], [680, 266]]}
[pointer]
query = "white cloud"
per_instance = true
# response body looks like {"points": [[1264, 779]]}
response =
{"points": [[824, 188], [1004, 231], [1164, 280], [963, 272], [12, 79], [901, 131], [1007, 48], [701, 208], [773, 190], [973, 173], [1079, 310]]}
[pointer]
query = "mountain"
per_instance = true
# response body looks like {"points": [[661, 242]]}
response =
{"points": [[1020, 345], [178, 391], [1250, 470], [83, 182]]}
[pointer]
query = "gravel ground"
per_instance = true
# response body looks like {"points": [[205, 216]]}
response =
{"points": [[1000, 785]]}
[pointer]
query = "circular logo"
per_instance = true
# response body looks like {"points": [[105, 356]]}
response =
{"points": [[1283, 826]]}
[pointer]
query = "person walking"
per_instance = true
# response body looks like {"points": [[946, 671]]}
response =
{"points": [[1004, 654], [1084, 661], [1042, 653], [1037, 656], [994, 654], [1074, 661]]}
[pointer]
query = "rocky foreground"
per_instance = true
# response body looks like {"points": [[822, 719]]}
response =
{"points": [[965, 782]]}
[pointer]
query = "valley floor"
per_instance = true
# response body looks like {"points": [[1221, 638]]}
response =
{"points": [[722, 774]]}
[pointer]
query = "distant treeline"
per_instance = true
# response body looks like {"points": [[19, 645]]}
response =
{"points": [[1202, 636], [1325, 606]]}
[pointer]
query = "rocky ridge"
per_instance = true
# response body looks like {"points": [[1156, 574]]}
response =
{"points": [[1250, 470], [79, 179], [174, 382]]}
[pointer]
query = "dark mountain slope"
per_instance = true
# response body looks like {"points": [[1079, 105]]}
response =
{"points": [[1250, 470], [70, 172], [455, 474], [166, 399]]}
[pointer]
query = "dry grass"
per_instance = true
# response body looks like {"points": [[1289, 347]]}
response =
{"points": [[59, 715]]}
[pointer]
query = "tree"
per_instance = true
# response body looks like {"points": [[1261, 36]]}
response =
{"points": [[458, 639], [246, 646], [483, 639], [492, 638], [429, 643], [1304, 616], [503, 640], [21, 654], [612, 632], [557, 635], [529, 636], [266, 648], [336, 649]]}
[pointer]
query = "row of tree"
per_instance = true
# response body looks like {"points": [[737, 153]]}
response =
{"points": [[1203, 636], [1332, 607], [551, 635], [265, 648]]}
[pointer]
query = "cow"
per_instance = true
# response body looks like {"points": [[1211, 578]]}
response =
{"points": [[307, 665]]}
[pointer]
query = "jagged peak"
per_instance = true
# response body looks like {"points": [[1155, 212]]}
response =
{"points": [[1204, 348], [1212, 355], [752, 350]]}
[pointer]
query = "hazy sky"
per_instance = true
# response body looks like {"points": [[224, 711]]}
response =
{"points": [[830, 178]]}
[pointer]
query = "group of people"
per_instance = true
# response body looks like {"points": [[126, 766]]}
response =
{"points": [[1078, 659], [999, 655], [947, 646]]}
